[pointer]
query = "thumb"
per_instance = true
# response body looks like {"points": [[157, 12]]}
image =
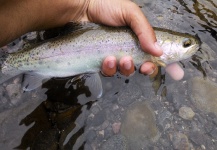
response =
{"points": [[141, 27]]}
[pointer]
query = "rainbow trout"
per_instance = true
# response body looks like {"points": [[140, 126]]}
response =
{"points": [[83, 50]]}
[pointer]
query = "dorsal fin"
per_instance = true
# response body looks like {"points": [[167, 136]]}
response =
{"points": [[71, 27]]}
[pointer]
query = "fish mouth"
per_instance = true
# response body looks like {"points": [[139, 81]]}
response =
{"points": [[193, 49]]}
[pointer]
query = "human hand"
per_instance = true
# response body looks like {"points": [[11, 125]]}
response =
{"points": [[48, 14], [122, 13]]}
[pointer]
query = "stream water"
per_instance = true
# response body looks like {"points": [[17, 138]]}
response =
{"points": [[133, 113]]}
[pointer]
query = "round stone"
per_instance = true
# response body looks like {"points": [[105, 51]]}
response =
{"points": [[186, 113]]}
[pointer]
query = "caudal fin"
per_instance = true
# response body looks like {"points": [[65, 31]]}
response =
{"points": [[4, 77]]}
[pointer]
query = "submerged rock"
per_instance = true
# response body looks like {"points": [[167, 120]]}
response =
{"points": [[203, 94], [14, 92], [197, 137], [186, 113], [128, 94], [180, 141], [116, 142], [116, 127], [139, 126]]}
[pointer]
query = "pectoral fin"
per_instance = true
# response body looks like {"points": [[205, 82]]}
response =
{"points": [[158, 61], [32, 81]]}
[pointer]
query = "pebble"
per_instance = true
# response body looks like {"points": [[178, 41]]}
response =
{"points": [[186, 113], [129, 95], [179, 141], [139, 126], [163, 116], [115, 107], [197, 137], [95, 109], [14, 92], [203, 147], [116, 142], [102, 133], [104, 125], [17, 80], [91, 135], [3, 100], [204, 94], [214, 133], [116, 127], [208, 126], [13, 89], [99, 118]]}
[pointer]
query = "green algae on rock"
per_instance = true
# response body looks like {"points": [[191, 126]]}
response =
{"points": [[203, 94], [186, 113], [139, 126], [116, 142]]}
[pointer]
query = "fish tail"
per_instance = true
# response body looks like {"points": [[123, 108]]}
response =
{"points": [[3, 77], [3, 57]]}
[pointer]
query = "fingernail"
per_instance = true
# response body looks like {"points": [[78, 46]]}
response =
{"points": [[152, 71], [111, 64], [128, 65]]}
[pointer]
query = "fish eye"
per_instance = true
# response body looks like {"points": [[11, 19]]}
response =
{"points": [[186, 42]]}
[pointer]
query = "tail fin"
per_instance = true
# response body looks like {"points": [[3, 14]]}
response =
{"points": [[3, 77], [3, 56]]}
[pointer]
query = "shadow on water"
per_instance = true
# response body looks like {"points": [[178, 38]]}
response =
{"points": [[56, 117]]}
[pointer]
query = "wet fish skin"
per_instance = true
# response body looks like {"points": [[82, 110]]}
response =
{"points": [[83, 51], [176, 46]]}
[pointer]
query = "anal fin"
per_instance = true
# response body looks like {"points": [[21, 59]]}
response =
{"points": [[93, 81]]}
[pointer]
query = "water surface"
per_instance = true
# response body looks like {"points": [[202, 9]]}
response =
{"points": [[68, 117]]}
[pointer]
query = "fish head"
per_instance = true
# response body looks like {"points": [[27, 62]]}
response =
{"points": [[176, 48]]}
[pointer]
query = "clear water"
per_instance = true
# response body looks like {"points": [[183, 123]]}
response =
{"points": [[68, 117]]}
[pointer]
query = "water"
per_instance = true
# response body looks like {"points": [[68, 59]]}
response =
{"points": [[68, 117]]}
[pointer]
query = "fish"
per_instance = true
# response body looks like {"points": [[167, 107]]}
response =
{"points": [[82, 50]]}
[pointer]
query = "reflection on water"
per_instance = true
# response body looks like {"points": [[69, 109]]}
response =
{"points": [[205, 11], [71, 118]]}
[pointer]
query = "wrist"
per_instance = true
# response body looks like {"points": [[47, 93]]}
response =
{"points": [[58, 13], [20, 16]]}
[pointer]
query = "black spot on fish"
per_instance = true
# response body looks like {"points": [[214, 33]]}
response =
{"points": [[40, 62]]}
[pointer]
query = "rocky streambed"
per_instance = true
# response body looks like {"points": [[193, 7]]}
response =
{"points": [[134, 113]]}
